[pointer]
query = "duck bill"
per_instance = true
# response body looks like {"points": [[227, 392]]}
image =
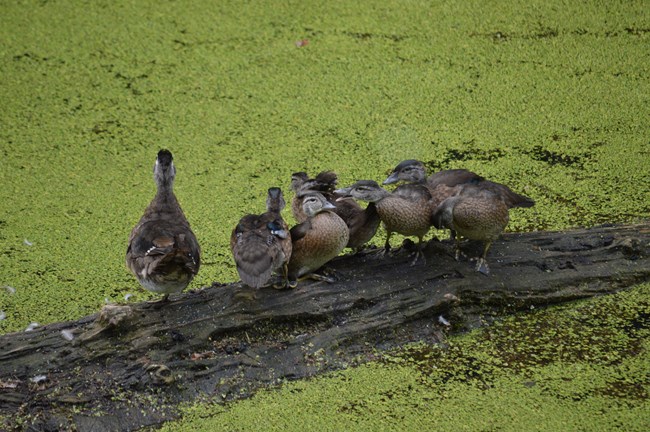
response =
{"points": [[342, 193], [393, 178]]}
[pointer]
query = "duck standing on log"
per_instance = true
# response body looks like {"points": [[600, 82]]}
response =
{"points": [[163, 252], [475, 213], [362, 223], [406, 211], [444, 184], [317, 240], [261, 244], [480, 211]]}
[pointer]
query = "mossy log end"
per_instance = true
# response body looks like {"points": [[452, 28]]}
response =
{"points": [[130, 366]]}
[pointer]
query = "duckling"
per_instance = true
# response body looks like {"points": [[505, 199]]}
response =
{"points": [[325, 183], [362, 223], [316, 240], [163, 252], [261, 244], [406, 211], [445, 183], [475, 213]]}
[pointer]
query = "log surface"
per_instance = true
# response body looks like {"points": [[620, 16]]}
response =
{"points": [[129, 366]]}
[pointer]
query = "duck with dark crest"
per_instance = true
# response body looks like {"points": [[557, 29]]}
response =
{"points": [[163, 252], [261, 244]]}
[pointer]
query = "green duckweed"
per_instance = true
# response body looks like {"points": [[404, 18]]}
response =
{"points": [[550, 97]]}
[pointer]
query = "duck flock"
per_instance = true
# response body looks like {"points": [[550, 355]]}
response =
{"points": [[164, 254]]}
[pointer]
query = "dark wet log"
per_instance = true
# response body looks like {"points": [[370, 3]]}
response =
{"points": [[130, 365]]}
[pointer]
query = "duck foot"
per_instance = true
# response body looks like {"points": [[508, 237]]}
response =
{"points": [[416, 258], [482, 267], [280, 283], [458, 255], [156, 304], [364, 250], [322, 277], [376, 254], [330, 272]]}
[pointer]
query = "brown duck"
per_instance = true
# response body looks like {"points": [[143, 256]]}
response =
{"points": [[362, 223], [163, 252], [321, 237], [445, 183], [406, 211], [261, 244], [474, 213]]}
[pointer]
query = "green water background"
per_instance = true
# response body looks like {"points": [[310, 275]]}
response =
{"points": [[549, 97]]}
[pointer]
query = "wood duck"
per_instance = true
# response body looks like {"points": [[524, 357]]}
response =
{"points": [[445, 183], [362, 223], [362, 226], [261, 244], [316, 240], [325, 183], [163, 252], [475, 213], [406, 211]]}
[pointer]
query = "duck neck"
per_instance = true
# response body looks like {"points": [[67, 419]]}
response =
{"points": [[381, 194], [274, 205], [165, 193]]}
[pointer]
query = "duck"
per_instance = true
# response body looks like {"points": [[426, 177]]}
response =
{"points": [[362, 222], [406, 211], [301, 183], [261, 244], [325, 183], [475, 213], [317, 240], [362, 226], [163, 252], [446, 183]]}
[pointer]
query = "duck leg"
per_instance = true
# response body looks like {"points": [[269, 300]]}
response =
{"points": [[481, 263], [155, 304], [419, 253], [380, 253], [284, 279], [457, 252], [293, 283], [387, 243]]}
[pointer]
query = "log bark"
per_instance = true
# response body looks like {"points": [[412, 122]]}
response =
{"points": [[129, 366]]}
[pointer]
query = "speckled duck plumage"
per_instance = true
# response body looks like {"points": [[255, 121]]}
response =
{"points": [[261, 244], [362, 223], [474, 213], [163, 252], [406, 211], [444, 184], [321, 237]]}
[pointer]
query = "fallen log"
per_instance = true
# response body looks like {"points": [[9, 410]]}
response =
{"points": [[129, 366]]}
